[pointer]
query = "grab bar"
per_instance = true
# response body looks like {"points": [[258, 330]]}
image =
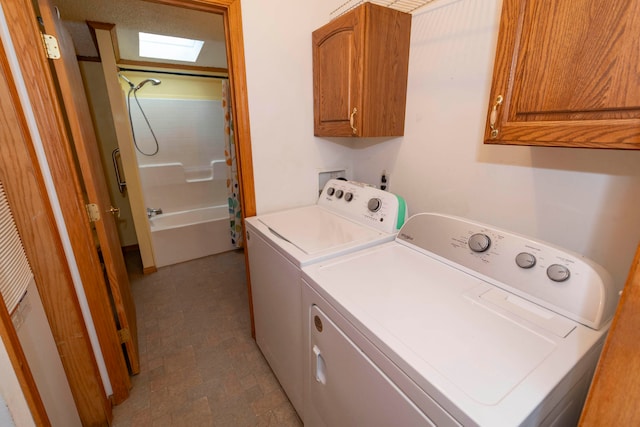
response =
{"points": [[121, 184]]}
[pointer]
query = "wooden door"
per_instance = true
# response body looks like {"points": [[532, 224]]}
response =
{"points": [[86, 147], [566, 74], [24, 183], [613, 397]]}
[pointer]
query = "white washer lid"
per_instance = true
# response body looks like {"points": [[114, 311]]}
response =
{"points": [[434, 319], [313, 229]]}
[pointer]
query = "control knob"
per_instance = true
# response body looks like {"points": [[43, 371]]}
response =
{"points": [[525, 260], [348, 197], [339, 194], [558, 273], [330, 191], [479, 242], [374, 204]]}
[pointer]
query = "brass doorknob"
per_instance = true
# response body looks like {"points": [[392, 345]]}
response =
{"points": [[115, 211]]}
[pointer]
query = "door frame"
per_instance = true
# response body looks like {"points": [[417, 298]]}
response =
{"points": [[232, 19], [70, 334]]}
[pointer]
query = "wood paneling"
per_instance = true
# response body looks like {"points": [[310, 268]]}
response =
{"points": [[613, 397]]}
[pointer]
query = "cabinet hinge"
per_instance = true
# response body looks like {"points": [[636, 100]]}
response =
{"points": [[124, 335], [93, 212], [51, 47]]}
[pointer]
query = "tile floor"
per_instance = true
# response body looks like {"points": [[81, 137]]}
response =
{"points": [[199, 365]]}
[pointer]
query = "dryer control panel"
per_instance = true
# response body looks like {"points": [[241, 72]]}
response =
{"points": [[552, 277], [364, 204]]}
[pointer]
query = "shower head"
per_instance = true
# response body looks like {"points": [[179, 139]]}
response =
{"points": [[126, 80], [155, 82]]}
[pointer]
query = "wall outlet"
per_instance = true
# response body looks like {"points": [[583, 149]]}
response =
{"points": [[384, 181], [325, 176]]}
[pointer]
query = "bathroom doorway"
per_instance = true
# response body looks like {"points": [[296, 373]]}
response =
{"points": [[183, 139], [169, 13]]}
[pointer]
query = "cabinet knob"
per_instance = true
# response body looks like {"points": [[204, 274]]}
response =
{"points": [[352, 120], [494, 116]]}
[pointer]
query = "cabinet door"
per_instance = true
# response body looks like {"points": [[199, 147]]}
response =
{"points": [[566, 74], [337, 76]]}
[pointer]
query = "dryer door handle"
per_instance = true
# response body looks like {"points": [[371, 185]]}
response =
{"points": [[321, 376]]}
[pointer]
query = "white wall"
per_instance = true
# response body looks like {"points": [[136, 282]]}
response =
{"points": [[581, 199], [584, 200], [286, 156], [11, 394]]}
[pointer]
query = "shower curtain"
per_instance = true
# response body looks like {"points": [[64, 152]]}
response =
{"points": [[233, 188]]}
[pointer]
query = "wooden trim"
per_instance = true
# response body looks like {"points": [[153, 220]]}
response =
{"points": [[240, 105], [88, 58], [20, 366], [101, 26], [149, 270], [238, 82], [151, 64], [111, 28], [210, 6]]}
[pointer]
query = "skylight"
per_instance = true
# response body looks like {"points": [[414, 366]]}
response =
{"points": [[167, 47]]}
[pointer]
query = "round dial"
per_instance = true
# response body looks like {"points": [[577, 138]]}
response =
{"points": [[339, 194], [330, 191], [348, 197], [558, 273], [525, 260], [479, 242], [374, 204]]}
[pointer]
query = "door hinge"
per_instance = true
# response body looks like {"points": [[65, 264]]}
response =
{"points": [[124, 335], [93, 211], [51, 46]]}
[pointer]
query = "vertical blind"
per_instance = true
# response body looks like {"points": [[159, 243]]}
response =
{"points": [[15, 273]]}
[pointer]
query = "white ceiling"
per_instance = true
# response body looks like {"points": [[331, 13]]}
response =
{"points": [[132, 16]]}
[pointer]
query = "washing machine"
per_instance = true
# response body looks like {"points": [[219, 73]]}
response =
{"points": [[453, 323], [347, 217]]}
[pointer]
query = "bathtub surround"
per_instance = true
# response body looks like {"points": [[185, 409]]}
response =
{"points": [[189, 131], [188, 178]]}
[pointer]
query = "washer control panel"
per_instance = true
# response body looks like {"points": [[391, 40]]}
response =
{"points": [[365, 204], [555, 278]]}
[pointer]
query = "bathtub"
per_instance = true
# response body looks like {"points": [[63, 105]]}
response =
{"points": [[186, 235]]}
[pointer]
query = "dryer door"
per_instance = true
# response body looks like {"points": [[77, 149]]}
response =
{"points": [[346, 388]]}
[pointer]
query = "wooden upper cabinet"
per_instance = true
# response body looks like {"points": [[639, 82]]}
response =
{"points": [[567, 73], [360, 63]]}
